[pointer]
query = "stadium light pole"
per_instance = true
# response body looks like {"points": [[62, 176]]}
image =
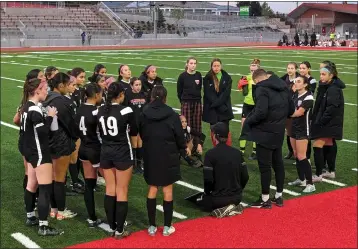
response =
{"points": [[155, 20]]}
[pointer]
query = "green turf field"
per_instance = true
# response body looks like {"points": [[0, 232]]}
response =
{"points": [[171, 63]]}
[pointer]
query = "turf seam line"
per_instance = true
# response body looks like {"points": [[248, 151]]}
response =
{"points": [[286, 191], [355, 169], [24, 240]]}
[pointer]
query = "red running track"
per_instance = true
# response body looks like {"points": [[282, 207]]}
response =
{"points": [[327, 220]]}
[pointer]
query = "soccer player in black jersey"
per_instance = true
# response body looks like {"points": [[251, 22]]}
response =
{"points": [[37, 153], [305, 70], [62, 143], [124, 76], [136, 99], [303, 100], [116, 124], [78, 95], [33, 74], [289, 78], [90, 149], [99, 69], [149, 78]]}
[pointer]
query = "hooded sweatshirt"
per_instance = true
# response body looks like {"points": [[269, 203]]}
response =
{"points": [[266, 123]]}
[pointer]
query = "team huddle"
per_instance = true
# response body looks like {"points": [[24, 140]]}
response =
{"points": [[116, 127]]}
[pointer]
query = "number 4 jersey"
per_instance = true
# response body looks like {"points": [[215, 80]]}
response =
{"points": [[116, 127]]}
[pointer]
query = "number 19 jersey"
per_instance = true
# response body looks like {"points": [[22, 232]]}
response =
{"points": [[115, 128]]}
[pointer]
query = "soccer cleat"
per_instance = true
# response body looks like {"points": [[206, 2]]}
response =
{"points": [[278, 201], [66, 214], [152, 230], [93, 223], [121, 235], [168, 230], [316, 178], [127, 223], [330, 175], [298, 182], [49, 231], [32, 221], [253, 156], [261, 204], [224, 211], [237, 210], [289, 155], [77, 187], [53, 214], [309, 188], [101, 181]]}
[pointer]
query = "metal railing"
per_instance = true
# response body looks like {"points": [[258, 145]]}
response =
{"points": [[115, 18]]}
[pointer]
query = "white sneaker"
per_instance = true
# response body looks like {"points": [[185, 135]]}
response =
{"points": [[152, 230], [101, 181], [298, 182], [168, 230], [316, 178], [330, 175], [309, 188]]}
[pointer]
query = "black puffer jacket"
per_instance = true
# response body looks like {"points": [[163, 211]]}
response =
{"points": [[147, 87], [265, 125], [328, 112], [62, 141], [217, 105], [163, 140]]}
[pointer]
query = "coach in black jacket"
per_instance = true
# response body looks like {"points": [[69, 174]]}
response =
{"points": [[225, 175], [266, 126]]}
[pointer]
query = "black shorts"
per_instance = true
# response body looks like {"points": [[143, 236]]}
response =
{"points": [[109, 164], [20, 145], [38, 159], [299, 134], [246, 109], [92, 154]]}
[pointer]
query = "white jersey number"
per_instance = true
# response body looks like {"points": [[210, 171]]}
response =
{"points": [[112, 127]]}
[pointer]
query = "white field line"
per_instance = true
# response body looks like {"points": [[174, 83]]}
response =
{"points": [[355, 169], [333, 182], [286, 191], [166, 60], [188, 185], [24, 240], [175, 214]]}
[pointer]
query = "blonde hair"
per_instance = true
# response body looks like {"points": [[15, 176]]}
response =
{"points": [[187, 61]]}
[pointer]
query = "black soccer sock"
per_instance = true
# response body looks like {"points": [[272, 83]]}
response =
{"points": [[306, 167], [90, 184], [300, 170], [140, 153], [308, 152], [110, 209], [80, 168], [60, 195], [37, 193], [289, 145], [24, 182], [52, 196], [168, 212], [30, 199], [151, 210], [326, 151], [318, 160], [121, 214], [44, 201], [135, 156], [331, 157], [73, 169]]}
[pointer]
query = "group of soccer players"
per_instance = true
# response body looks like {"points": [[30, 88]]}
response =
{"points": [[64, 119]]}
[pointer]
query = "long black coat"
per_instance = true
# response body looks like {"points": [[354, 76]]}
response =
{"points": [[328, 112], [163, 140], [217, 105], [265, 125]]}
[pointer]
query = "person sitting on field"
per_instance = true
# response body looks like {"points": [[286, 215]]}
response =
{"points": [[194, 142], [225, 176]]}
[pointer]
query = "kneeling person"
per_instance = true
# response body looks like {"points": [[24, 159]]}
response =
{"points": [[225, 176]]}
